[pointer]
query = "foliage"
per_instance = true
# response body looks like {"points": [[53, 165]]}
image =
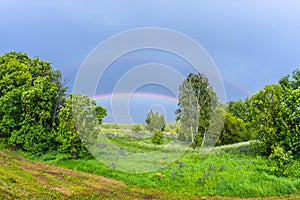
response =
{"points": [[233, 130], [197, 101], [277, 117], [31, 95], [282, 159], [100, 113], [77, 122], [110, 126], [154, 121], [157, 137], [238, 109], [137, 128]]}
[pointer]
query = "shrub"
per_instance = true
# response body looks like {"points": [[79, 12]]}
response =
{"points": [[137, 128], [157, 137], [281, 159]]}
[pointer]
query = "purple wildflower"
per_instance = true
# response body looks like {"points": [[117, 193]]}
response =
{"points": [[100, 145], [122, 153], [164, 158], [201, 179], [212, 167], [221, 167], [241, 150], [113, 164], [207, 174], [174, 174]]}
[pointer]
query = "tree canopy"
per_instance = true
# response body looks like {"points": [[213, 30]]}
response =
{"points": [[197, 101], [35, 114], [30, 98], [155, 121]]}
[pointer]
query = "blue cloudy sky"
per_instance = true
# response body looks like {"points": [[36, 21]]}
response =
{"points": [[253, 43]]}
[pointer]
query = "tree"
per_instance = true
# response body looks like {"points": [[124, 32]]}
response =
{"points": [[277, 118], [197, 101], [238, 109], [30, 98], [189, 111], [100, 113], [233, 130], [154, 121], [78, 120], [294, 83]]}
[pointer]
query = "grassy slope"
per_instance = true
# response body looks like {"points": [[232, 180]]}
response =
{"points": [[244, 175], [23, 179]]}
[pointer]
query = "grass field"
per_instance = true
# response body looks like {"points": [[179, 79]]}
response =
{"points": [[233, 171], [24, 179]]}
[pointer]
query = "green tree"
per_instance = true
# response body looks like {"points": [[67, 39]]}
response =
{"points": [[100, 113], [31, 94], [233, 130], [154, 121], [277, 118], [238, 109], [78, 120], [197, 101]]}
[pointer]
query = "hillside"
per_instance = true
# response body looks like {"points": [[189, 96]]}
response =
{"points": [[23, 179]]}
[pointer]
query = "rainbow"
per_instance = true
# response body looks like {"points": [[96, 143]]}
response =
{"points": [[136, 95]]}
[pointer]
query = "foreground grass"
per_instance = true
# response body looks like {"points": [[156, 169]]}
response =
{"points": [[23, 179], [230, 172]]}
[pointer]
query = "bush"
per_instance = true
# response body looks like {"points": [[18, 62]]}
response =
{"points": [[137, 128], [281, 159], [157, 137]]}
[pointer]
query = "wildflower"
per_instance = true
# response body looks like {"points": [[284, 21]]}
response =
{"points": [[122, 153], [241, 150], [160, 175], [181, 164], [200, 179], [221, 167], [174, 174], [164, 158], [206, 175], [100, 145], [113, 164], [212, 167]]}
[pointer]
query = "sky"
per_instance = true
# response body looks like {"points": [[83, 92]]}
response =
{"points": [[252, 43]]}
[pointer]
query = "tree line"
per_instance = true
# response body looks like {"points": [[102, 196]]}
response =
{"points": [[271, 116], [36, 115]]}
